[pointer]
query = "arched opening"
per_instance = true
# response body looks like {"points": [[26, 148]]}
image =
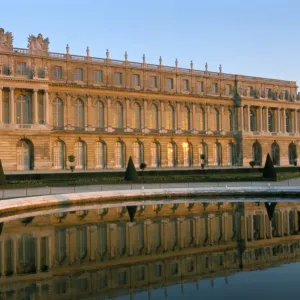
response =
{"points": [[23, 110], [186, 118], [155, 154], [203, 150], [119, 115], [80, 155], [231, 154], [58, 113], [154, 117], [100, 155], [79, 114], [59, 155], [218, 154], [138, 153], [137, 116], [187, 154], [172, 154], [120, 155], [257, 153], [99, 114], [292, 154], [25, 155], [170, 118], [275, 150]]}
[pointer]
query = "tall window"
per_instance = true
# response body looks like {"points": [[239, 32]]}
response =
{"points": [[80, 155], [58, 155], [57, 73], [120, 155], [23, 110], [136, 80], [138, 154], [228, 89], [6, 106], [275, 150], [41, 108], [230, 120], [187, 154], [153, 82], [155, 154], [251, 91], [288, 121], [292, 153], [78, 74], [79, 114], [21, 69], [269, 93], [58, 113], [186, 118], [136, 118], [186, 85], [169, 83], [170, 118], [200, 86], [100, 155], [81, 239], [119, 115], [231, 154], [154, 117], [257, 153], [218, 154], [203, 119], [271, 121], [215, 88], [204, 150], [98, 76], [253, 120], [172, 154], [26, 251], [118, 78], [99, 114], [61, 245]]}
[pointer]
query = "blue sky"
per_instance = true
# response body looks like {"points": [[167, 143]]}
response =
{"points": [[257, 37]]}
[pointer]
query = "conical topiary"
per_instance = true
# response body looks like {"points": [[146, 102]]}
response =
{"points": [[130, 173], [2, 176], [269, 171]]}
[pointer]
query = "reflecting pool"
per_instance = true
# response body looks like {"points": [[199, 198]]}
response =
{"points": [[198, 250]]}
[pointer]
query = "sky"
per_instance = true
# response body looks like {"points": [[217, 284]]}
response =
{"points": [[255, 38]]}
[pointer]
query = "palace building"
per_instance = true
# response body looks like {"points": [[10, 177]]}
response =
{"points": [[103, 110]]}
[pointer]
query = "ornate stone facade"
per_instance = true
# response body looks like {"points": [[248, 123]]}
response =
{"points": [[103, 110]]}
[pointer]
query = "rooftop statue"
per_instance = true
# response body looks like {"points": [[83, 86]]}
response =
{"points": [[6, 40], [38, 44]]}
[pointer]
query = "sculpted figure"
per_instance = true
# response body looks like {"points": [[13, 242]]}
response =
{"points": [[6, 40], [38, 43]]}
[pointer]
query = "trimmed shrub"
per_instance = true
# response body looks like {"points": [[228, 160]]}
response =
{"points": [[252, 163], [130, 173], [269, 171], [143, 166], [2, 176], [71, 159]]}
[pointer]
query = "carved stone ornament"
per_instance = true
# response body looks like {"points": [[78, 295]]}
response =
{"points": [[38, 45], [6, 40]]}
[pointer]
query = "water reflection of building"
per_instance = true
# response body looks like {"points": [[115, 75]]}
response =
{"points": [[98, 252]]}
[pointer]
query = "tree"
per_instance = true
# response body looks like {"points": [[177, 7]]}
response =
{"points": [[269, 171], [71, 159], [202, 156], [2, 176], [130, 173], [143, 166]]}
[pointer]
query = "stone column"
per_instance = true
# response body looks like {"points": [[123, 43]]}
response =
{"points": [[242, 118], [15, 254], [178, 115], [1, 105], [35, 107], [162, 119], [221, 117], [38, 254], [295, 121], [126, 113], [46, 107], [12, 105], [284, 120], [261, 119], [2, 270], [251, 227], [267, 119], [278, 119], [248, 118], [50, 252], [207, 111], [194, 117]]}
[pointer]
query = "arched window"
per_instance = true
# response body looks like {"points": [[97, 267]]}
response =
{"points": [[170, 118], [154, 117], [99, 110], [288, 121], [275, 150], [155, 154], [231, 154], [172, 154], [271, 121], [58, 155], [23, 110], [25, 155], [137, 116], [58, 113], [292, 154], [187, 154], [138, 154], [257, 153], [218, 154], [119, 115], [217, 120], [120, 155], [203, 150], [79, 114], [186, 118], [230, 119], [100, 155], [80, 154], [253, 120]]}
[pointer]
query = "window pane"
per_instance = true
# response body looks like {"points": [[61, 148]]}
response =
{"points": [[21, 69]]}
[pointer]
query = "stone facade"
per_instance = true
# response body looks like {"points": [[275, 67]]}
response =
{"points": [[102, 111]]}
